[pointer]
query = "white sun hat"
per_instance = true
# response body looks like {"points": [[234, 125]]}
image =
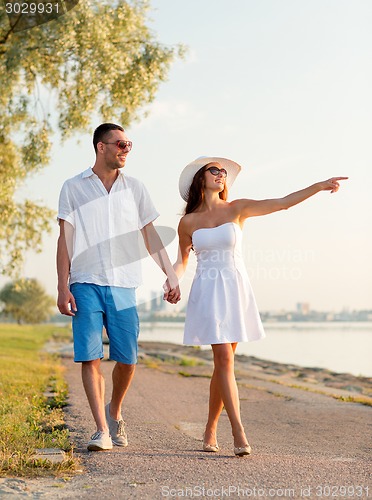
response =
{"points": [[190, 170]]}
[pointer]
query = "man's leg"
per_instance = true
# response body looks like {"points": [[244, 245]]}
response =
{"points": [[94, 385], [122, 376], [122, 327], [87, 327]]}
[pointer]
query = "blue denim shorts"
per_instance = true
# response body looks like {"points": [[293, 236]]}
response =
{"points": [[105, 306]]}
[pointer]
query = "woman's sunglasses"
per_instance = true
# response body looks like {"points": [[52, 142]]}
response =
{"points": [[216, 171], [122, 145]]}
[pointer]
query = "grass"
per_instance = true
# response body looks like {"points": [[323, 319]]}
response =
{"points": [[264, 389], [190, 361], [196, 375], [32, 395], [364, 400], [157, 362]]}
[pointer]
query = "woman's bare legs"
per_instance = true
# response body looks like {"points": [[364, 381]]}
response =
{"points": [[215, 406], [224, 393]]}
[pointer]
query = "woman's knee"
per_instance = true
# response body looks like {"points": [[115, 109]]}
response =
{"points": [[223, 356]]}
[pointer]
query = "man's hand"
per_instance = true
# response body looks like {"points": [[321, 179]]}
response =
{"points": [[172, 295], [65, 298]]}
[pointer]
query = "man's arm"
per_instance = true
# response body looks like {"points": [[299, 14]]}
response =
{"points": [[64, 249], [157, 251]]}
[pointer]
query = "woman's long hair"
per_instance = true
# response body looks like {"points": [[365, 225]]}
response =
{"points": [[196, 191]]}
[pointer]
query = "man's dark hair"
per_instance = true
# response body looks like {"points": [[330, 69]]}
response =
{"points": [[100, 134]]}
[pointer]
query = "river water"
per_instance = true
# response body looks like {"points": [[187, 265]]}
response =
{"points": [[338, 346]]}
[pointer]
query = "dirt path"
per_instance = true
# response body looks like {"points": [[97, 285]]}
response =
{"points": [[305, 445]]}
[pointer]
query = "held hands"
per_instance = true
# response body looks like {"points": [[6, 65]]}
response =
{"points": [[65, 298], [172, 291], [331, 184]]}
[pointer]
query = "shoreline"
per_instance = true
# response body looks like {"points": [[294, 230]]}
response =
{"points": [[193, 361], [301, 436], [339, 348]]}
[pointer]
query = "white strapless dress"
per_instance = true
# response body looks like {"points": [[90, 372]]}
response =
{"points": [[221, 307]]}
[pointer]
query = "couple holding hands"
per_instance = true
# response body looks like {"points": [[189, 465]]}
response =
{"points": [[101, 212]]}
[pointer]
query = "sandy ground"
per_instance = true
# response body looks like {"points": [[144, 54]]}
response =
{"points": [[308, 441]]}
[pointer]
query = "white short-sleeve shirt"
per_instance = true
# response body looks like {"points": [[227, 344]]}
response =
{"points": [[107, 244]]}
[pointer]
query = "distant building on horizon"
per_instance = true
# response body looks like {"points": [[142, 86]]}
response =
{"points": [[303, 308], [156, 303]]}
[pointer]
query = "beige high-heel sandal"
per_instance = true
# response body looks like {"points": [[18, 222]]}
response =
{"points": [[210, 448], [240, 451]]}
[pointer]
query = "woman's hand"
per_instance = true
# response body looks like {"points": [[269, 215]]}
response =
{"points": [[331, 184], [172, 292]]}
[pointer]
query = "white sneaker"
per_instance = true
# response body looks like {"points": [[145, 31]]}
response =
{"points": [[117, 429], [100, 441]]}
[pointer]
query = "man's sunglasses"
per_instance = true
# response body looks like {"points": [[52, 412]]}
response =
{"points": [[216, 171], [123, 145]]}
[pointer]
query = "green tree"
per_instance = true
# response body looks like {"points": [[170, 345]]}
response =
{"points": [[25, 301], [99, 61]]}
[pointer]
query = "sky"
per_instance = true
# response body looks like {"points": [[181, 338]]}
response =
{"points": [[283, 88]]}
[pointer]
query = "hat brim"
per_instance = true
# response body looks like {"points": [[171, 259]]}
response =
{"points": [[187, 175]]}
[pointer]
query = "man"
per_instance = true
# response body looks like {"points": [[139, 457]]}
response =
{"points": [[101, 213]]}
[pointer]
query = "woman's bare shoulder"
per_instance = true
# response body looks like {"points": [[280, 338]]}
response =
{"points": [[237, 203], [186, 223]]}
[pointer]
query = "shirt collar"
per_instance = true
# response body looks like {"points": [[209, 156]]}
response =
{"points": [[89, 172]]}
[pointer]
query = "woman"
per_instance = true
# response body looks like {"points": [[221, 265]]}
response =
{"points": [[221, 309]]}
